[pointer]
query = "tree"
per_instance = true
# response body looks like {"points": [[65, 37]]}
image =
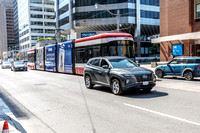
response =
{"points": [[155, 48]]}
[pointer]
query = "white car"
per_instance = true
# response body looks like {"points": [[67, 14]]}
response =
{"points": [[6, 65]]}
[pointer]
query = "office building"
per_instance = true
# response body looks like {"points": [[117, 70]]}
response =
{"points": [[36, 19], [81, 18], [7, 38]]}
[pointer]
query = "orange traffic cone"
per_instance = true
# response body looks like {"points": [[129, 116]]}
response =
{"points": [[5, 127]]}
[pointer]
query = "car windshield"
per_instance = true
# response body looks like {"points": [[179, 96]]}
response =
{"points": [[18, 63], [122, 63], [6, 63]]}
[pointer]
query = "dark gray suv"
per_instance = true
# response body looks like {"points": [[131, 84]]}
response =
{"points": [[119, 73]]}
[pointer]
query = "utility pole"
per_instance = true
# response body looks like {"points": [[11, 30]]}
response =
{"points": [[58, 36], [117, 15], [138, 28], [118, 19]]}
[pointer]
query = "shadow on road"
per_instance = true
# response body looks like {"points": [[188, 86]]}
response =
{"points": [[16, 108], [133, 93], [141, 94], [180, 79]]}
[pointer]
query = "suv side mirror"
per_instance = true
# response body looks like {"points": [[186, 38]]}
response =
{"points": [[105, 66]]}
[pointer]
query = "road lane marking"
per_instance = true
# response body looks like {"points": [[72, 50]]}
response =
{"points": [[162, 114]]}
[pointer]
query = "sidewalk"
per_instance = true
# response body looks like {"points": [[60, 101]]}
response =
{"points": [[7, 115], [148, 66]]}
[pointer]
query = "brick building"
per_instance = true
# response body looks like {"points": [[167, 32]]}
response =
{"points": [[179, 24]]}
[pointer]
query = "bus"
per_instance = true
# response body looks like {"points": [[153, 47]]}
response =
{"points": [[50, 58], [71, 56], [65, 57], [40, 58], [31, 59]]}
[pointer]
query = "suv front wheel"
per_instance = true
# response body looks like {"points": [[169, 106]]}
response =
{"points": [[88, 82], [116, 87]]}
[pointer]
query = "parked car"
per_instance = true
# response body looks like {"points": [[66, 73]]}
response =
{"points": [[187, 67], [19, 66], [118, 73], [5, 65]]}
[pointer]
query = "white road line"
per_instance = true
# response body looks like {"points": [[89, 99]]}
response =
{"points": [[162, 114]]}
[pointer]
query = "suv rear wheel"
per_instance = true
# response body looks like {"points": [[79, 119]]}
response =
{"points": [[159, 73], [88, 82], [188, 75], [116, 87]]}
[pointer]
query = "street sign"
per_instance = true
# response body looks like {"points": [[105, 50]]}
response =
{"points": [[87, 34], [177, 49]]}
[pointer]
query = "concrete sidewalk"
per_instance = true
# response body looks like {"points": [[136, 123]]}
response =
{"points": [[148, 66], [7, 115]]}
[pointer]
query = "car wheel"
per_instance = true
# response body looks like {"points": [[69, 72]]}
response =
{"points": [[147, 90], [88, 82], [159, 73], [116, 87], [188, 75]]}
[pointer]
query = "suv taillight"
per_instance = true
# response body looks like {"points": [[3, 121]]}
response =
{"points": [[197, 67]]}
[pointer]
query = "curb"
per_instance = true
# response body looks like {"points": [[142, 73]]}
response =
{"points": [[7, 115]]}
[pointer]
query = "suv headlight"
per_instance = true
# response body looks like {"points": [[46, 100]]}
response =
{"points": [[131, 78], [126, 75]]}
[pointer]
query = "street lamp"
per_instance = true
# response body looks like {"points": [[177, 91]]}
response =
{"points": [[117, 15]]}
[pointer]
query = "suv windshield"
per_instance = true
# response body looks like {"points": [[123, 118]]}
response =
{"points": [[18, 63], [122, 63]]}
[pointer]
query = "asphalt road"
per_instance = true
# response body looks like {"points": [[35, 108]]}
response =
{"points": [[52, 102]]}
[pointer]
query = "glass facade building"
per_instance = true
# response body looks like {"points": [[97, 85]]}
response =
{"points": [[82, 16], [36, 20]]}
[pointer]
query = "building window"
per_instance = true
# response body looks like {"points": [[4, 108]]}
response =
{"points": [[197, 10], [36, 1], [49, 31], [37, 30]]}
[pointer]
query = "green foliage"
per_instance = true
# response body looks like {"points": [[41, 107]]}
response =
{"points": [[43, 39], [155, 48]]}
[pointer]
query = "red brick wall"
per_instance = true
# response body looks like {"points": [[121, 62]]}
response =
{"points": [[176, 17], [195, 24], [166, 49]]}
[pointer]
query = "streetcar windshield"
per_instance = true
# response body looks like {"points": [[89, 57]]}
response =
{"points": [[121, 48]]}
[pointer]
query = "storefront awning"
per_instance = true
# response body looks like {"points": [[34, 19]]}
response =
{"points": [[186, 36]]}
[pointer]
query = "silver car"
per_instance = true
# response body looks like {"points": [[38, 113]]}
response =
{"points": [[19, 66], [6, 65]]}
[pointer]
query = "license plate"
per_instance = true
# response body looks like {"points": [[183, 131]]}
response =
{"points": [[146, 83]]}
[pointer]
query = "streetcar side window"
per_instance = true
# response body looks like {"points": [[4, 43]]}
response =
{"points": [[96, 51], [104, 50], [113, 48], [80, 54]]}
